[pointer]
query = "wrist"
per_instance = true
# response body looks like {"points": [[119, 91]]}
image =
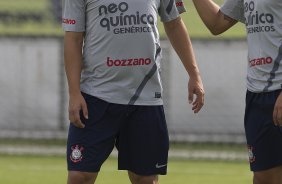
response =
{"points": [[74, 92], [194, 74]]}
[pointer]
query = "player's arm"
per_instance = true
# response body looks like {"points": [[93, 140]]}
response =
{"points": [[180, 40], [213, 18], [277, 112], [73, 62]]}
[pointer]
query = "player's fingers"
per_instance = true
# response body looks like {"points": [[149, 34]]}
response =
{"points": [[71, 114], [85, 110], [275, 114], [76, 120], [78, 123], [279, 117], [190, 96], [199, 102], [197, 108], [71, 118]]}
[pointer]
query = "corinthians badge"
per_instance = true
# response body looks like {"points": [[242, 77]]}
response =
{"points": [[252, 158], [76, 154]]}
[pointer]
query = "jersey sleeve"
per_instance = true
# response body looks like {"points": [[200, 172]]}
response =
{"points": [[73, 15], [170, 9], [234, 9]]}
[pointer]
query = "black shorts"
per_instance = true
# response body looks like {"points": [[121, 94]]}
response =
{"points": [[139, 133], [264, 139]]}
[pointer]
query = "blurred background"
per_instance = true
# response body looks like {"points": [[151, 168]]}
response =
{"points": [[34, 100]]}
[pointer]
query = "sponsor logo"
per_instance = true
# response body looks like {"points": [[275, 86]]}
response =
{"points": [[128, 62], [252, 158], [76, 154], [160, 166], [179, 4], [115, 18], [158, 95], [69, 21], [132, 29], [258, 21], [260, 61]]}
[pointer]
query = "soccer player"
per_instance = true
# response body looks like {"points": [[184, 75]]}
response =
{"points": [[263, 113], [112, 62]]}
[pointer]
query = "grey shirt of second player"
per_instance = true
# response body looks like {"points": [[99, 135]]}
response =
{"points": [[264, 29]]}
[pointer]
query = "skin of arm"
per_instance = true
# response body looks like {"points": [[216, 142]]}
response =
{"points": [[277, 112], [212, 17], [73, 42], [180, 40]]}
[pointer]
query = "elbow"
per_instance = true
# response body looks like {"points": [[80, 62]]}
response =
{"points": [[215, 30]]}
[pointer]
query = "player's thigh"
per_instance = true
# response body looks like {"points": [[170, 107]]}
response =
{"points": [[89, 147], [143, 142], [139, 179], [264, 139], [270, 176], [77, 177]]}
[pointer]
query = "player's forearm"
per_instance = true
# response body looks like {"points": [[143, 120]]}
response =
{"points": [[179, 38], [73, 62], [210, 15], [207, 10]]}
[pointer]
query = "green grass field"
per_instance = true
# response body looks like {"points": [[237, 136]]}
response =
{"points": [[46, 170], [16, 25]]}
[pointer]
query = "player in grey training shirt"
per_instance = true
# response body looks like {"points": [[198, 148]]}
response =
{"points": [[263, 115], [134, 49], [112, 62]]}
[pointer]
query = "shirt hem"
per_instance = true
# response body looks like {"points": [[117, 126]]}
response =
{"points": [[125, 102]]}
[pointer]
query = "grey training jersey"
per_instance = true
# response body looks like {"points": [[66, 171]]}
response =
{"points": [[121, 53], [263, 20]]}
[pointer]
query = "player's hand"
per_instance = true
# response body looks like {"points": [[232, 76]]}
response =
{"points": [[277, 112], [76, 105], [195, 88]]}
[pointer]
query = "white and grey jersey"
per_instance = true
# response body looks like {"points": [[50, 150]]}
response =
{"points": [[121, 53], [263, 20]]}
